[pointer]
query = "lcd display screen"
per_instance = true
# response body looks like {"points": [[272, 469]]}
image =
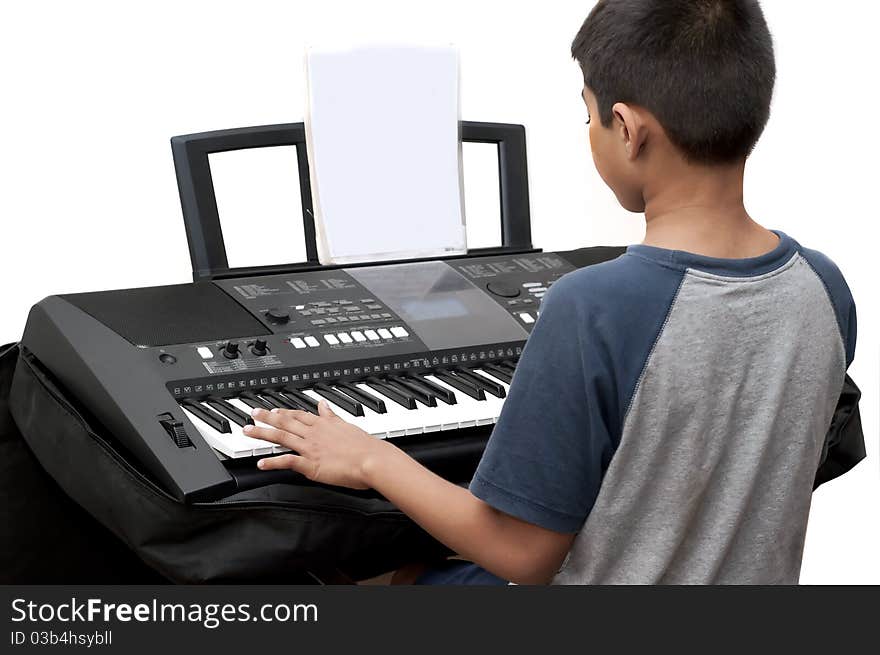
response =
{"points": [[443, 308]]}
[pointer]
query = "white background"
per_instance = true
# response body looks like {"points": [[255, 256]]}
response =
{"points": [[92, 91]]}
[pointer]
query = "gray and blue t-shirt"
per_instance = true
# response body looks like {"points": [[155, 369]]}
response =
{"points": [[671, 410]]}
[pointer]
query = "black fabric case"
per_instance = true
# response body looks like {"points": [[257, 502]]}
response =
{"points": [[78, 510]]}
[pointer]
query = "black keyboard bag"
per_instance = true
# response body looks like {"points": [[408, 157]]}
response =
{"points": [[72, 493]]}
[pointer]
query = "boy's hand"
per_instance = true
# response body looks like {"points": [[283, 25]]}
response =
{"points": [[325, 448]]}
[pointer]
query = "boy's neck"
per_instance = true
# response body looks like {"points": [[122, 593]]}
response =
{"points": [[699, 209]]}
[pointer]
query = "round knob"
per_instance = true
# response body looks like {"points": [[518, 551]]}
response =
{"points": [[230, 350], [259, 348], [278, 316], [503, 290], [167, 358]]}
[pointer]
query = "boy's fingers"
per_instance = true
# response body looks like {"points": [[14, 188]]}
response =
{"points": [[281, 437], [302, 416], [291, 420], [324, 410], [292, 462]]}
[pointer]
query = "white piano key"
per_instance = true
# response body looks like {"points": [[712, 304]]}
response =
{"points": [[396, 419], [471, 412], [496, 402], [273, 447], [232, 444], [258, 446], [367, 423]]}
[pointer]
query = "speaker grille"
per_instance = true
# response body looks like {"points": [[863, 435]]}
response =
{"points": [[161, 316]]}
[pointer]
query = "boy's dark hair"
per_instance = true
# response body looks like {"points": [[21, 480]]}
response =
{"points": [[704, 68]]}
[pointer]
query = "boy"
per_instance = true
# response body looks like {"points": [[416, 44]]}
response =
{"points": [[667, 416]]}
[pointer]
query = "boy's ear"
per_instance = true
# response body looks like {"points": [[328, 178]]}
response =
{"points": [[632, 129]]}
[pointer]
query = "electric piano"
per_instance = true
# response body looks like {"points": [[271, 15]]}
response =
{"points": [[421, 352]]}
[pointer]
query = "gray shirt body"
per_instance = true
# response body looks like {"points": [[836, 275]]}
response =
{"points": [[688, 400]]}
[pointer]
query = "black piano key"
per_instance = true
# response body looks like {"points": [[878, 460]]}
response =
{"points": [[421, 394], [253, 400], [461, 384], [306, 402], [211, 418], [508, 366], [282, 401], [271, 402], [231, 412], [353, 407], [381, 387], [487, 385], [498, 372], [368, 399], [444, 394]]}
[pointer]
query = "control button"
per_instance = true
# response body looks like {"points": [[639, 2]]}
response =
{"points": [[317, 321], [330, 319], [540, 295], [374, 306], [531, 285], [366, 300], [371, 335], [358, 336], [341, 319], [538, 290], [527, 301], [167, 358], [259, 348], [526, 317], [503, 290], [332, 340], [230, 350], [398, 331], [343, 337], [385, 334], [365, 317], [298, 343], [205, 352], [386, 315], [277, 316], [312, 341], [375, 316], [300, 307]]}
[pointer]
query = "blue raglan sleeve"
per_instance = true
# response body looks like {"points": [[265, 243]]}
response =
{"points": [[840, 296], [548, 451]]}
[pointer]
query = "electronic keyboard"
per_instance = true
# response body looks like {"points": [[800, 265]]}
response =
{"points": [[421, 352]]}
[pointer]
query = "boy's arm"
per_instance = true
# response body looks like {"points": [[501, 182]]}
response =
{"points": [[333, 451]]}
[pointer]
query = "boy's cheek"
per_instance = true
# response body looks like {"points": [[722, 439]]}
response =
{"points": [[617, 178]]}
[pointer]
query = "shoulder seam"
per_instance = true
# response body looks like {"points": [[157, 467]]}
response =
{"points": [[834, 308], [644, 369]]}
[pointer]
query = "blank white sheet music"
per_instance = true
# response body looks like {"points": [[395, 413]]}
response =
{"points": [[384, 153]]}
